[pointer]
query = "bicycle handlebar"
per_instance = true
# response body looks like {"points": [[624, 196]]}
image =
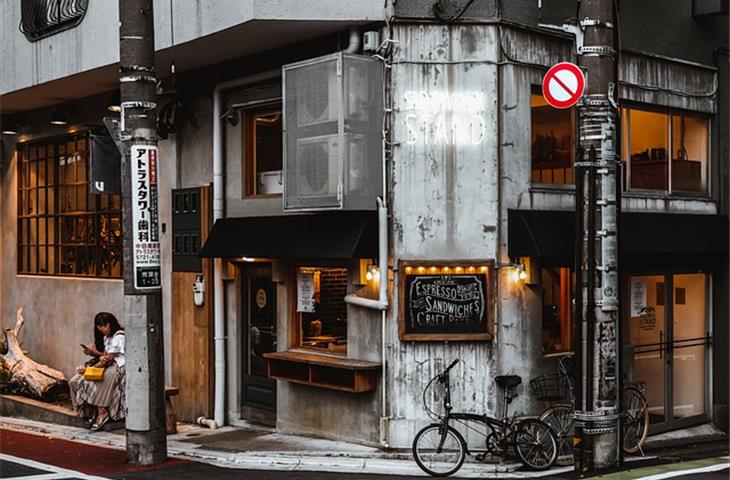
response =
{"points": [[450, 366]]}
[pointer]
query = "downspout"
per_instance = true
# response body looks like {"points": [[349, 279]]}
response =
{"points": [[219, 328], [382, 302], [354, 45]]}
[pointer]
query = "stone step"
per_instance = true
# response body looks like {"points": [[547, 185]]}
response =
{"points": [[23, 407]]}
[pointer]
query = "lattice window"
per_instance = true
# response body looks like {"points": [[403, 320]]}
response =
{"points": [[63, 228]]}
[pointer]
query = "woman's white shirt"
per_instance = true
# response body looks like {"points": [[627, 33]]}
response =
{"points": [[115, 344]]}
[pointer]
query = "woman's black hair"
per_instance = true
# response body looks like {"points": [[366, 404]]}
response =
{"points": [[104, 318]]}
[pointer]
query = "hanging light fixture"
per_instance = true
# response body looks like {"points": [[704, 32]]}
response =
{"points": [[114, 104], [58, 117], [8, 127]]}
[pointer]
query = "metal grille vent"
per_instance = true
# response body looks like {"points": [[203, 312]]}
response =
{"points": [[332, 133], [42, 18]]}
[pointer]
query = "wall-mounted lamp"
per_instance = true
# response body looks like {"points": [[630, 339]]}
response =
{"points": [[115, 102], [373, 273], [58, 117], [8, 127], [525, 271]]}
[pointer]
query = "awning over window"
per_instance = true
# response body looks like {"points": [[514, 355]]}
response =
{"points": [[331, 235], [645, 237]]}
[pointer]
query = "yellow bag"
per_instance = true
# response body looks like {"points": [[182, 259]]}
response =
{"points": [[94, 374]]}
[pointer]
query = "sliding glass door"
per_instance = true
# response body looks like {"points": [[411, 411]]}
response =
{"points": [[669, 334]]}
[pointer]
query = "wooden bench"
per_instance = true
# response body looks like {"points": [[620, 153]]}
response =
{"points": [[170, 416]]}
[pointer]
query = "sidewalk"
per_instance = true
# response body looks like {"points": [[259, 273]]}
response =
{"points": [[261, 449], [253, 447]]}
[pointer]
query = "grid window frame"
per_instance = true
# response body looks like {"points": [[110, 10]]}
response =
{"points": [[670, 115], [62, 228], [259, 109]]}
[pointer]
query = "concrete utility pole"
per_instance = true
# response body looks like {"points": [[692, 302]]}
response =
{"points": [[597, 205], [146, 440]]}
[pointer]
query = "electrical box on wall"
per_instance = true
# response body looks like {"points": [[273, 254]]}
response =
{"points": [[333, 111]]}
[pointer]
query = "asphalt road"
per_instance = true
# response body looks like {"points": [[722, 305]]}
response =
{"points": [[31, 456], [24, 454]]}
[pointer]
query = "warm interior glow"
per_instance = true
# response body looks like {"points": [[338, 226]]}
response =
{"points": [[442, 270]]}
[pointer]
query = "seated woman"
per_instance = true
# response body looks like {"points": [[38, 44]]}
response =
{"points": [[102, 400]]}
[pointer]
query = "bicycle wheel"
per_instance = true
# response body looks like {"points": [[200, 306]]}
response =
{"points": [[560, 419], [535, 444], [437, 451], [636, 420]]}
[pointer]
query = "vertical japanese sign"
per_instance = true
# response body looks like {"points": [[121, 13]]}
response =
{"points": [[145, 229]]}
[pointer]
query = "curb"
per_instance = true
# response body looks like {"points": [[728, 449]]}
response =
{"points": [[336, 462]]}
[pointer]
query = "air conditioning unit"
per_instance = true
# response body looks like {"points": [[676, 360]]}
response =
{"points": [[333, 112], [318, 166], [317, 96]]}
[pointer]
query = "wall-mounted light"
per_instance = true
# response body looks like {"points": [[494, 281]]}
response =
{"points": [[58, 117], [115, 103], [447, 269], [524, 271], [373, 273], [8, 127]]}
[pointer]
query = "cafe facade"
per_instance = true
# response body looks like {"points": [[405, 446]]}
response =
{"points": [[358, 209]]}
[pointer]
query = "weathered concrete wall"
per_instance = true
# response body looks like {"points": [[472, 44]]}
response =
{"points": [[424, 9], [445, 198], [663, 27], [94, 42]]}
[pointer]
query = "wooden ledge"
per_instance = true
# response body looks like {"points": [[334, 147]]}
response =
{"points": [[324, 371], [324, 360]]}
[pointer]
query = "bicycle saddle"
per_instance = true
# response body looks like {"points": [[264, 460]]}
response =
{"points": [[508, 381]]}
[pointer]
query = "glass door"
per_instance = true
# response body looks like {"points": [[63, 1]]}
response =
{"points": [[648, 337], [689, 346], [258, 295], [670, 340]]}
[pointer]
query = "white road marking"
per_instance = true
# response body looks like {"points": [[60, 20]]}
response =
{"points": [[55, 472], [711, 468]]}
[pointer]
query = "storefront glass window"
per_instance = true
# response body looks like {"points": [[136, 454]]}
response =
{"points": [[690, 147], [321, 308], [263, 151], [557, 309], [667, 151], [63, 229], [552, 143]]}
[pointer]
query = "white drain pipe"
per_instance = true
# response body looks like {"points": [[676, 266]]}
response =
{"points": [[219, 175]]}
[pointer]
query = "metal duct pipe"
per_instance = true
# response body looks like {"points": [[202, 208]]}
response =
{"points": [[354, 45]]}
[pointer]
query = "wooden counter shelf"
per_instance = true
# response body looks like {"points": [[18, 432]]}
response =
{"points": [[324, 371]]}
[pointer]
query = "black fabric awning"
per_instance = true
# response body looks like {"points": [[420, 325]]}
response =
{"points": [[331, 235], [646, 238]]}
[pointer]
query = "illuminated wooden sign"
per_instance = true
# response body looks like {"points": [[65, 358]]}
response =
{"points": [[446, 300]]}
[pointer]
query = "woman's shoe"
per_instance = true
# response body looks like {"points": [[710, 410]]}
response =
{"points": [[99, 423]]}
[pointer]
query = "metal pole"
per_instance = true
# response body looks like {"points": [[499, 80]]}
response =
{"points": [[598, 413], [146, 440]]}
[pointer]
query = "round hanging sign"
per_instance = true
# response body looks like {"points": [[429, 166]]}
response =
{"points": [[563, 85], [261, 298]]}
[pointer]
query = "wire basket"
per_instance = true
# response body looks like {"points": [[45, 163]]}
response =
{"points": [[550, 388]]}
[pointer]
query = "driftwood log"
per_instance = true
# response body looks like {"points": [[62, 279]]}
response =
{"points": [[23, 375]]}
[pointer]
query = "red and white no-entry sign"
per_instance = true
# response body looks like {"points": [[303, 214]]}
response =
{"points": [[563, 85]]}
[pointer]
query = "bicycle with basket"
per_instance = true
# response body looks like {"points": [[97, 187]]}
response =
{"points": [[557, 392], [440, 449]]}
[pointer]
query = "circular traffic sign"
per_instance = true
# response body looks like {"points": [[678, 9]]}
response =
{"points": [[563, 85]]}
